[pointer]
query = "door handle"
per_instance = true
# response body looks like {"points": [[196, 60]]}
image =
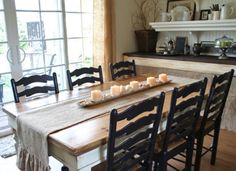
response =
{"points": [[19, 55], [9, 55]]}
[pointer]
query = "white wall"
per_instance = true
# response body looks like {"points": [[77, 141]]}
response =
{"points": [[125, 38]]}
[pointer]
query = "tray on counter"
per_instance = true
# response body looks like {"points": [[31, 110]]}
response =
{"points": [[107, 97]]}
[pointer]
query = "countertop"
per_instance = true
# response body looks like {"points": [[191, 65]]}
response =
{"points": [[201, 58]]}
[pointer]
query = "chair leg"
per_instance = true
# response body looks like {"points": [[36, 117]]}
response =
{"points": [[163, 165], [189, 154], [64, 168], [215, 144], [198, 156]]}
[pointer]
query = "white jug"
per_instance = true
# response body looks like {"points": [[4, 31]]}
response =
{"points": [[226, 12], [187, 15], [165, 17]]}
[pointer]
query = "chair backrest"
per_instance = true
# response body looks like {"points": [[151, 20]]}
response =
{"points": [[137, 136], [184, 111], [123, 68], [216, 100], [29, 90], [84, 75]]}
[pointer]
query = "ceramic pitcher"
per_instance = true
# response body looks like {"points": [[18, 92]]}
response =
{"points": [[226, 11], [187, 15]]}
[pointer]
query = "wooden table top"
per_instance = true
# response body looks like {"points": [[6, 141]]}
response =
{"points": [[92, 133]]}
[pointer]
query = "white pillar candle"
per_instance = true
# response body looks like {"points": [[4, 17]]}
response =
{"points": [[96, 95], [163, 78], [134, 85], [122, 89], [151, 81], [128, 88], [115, 90]]}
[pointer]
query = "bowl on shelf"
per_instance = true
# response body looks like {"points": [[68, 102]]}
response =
{"points": [[223, 43]]}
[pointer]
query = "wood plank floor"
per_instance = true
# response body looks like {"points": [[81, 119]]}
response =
{"points": [[226, 157]]}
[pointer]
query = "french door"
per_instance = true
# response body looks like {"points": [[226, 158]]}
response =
{"points": [[43, 36]]}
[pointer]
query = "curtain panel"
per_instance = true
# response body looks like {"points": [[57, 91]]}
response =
{"points": [[103, 37]]}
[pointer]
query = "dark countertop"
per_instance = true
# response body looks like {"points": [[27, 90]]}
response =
{"points": [[201, 58]]}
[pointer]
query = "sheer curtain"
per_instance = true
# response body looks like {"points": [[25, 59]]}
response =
{"points": [[103, 39]]}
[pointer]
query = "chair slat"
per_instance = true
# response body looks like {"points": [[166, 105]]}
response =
{"points": [[128, 129], [123, 72], [132, 112], [184, 115], [187, 103], [218, 98], [216, 107], [81, 71], [32, 79], [189, 89], [133, 140], [121, 64], [128, 154], [35, 90], [85, 80]]}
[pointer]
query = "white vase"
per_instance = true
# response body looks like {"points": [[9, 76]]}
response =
{"points": [[215, 15]]}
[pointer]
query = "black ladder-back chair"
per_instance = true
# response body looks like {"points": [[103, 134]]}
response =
{"points": [[211, 119], [178, 136], [123, 68], [131, 144], [31, 90], [138, 137], [88, 78]]}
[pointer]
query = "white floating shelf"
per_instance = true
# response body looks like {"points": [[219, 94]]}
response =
{"points": [[197, 25]]}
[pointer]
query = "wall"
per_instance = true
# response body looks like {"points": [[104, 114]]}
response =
{"points": [[125, 38]]}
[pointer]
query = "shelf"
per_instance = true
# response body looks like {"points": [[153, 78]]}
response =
{"points": [[198, 25]]}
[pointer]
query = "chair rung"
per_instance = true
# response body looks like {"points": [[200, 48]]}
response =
{"points": [[182, 154], [207, 150], [210, 135], [182, 161], [173, 167]]}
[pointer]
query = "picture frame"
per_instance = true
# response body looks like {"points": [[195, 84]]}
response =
{"points": [[204, 14], [191, 5], [180, 44]]}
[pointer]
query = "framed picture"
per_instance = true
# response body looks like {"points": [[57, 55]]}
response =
{"points": [[180, 6], [204, 14], [180, 43]]}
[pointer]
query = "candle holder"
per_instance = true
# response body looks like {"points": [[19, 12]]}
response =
{"points": [[223, 43]]}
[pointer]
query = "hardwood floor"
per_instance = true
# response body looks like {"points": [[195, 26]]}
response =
{"points": [[226, 157]]}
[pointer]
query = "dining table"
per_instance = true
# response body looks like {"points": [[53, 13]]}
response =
{"points": [[83, 144]]}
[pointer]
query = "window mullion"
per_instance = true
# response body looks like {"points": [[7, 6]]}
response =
{"points": [[65, 34]]}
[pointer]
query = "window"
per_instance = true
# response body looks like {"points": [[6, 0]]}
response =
{"points": [[79, 26], [54, 35]]}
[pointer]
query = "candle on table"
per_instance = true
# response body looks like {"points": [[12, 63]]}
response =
{"points": [[134, 85], [163, 78], [151, 81], [115, 90], [122, 89], [96, 95], [128, 88]]}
